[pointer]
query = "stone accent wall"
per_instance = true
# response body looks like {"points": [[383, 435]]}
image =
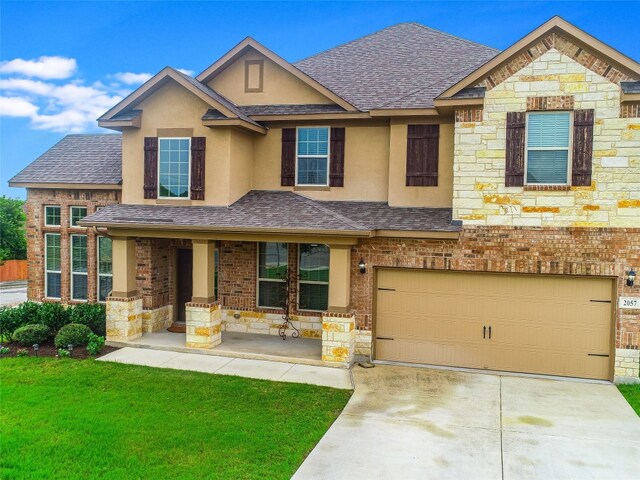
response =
{"points": [[268, 323], [157, 319], [627, 364], [124, 318], [203, 325], [561, 251], [338, 338], [35, 230], [363, 342], [613, 200]]}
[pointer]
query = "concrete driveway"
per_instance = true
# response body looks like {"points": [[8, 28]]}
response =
{"points": [[13, 293], [419, 423]]}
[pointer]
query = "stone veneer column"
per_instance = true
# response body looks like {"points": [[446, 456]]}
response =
{"points": [[124, 318], [338, 338], [203, 325], [627, 365]]}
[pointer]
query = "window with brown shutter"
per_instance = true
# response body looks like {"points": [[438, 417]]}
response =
{"points": [[197, 167], [151, 167], [288, 167], [514, 166], [422, 155], [582, 148], [336, 163]]}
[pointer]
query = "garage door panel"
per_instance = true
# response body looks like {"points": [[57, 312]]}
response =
{"points": [[539, 324]]}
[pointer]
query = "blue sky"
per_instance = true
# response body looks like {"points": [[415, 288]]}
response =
{"points": [[62, 64]]}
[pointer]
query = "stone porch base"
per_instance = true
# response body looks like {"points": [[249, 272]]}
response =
{"points": [[124, 318], [203, 325]]}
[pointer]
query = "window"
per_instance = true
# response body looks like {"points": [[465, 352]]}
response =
{"points": [[313, 285], [273, 259], [52, 272], [52, 216], [77, 213], [312, 164], [547, 152], [175, 158], [78, 267], [104, 268]]}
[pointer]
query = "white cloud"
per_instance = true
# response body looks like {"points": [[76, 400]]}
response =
{"points": [[131, 78], [47, 68], [186, 71], [17, 107]]}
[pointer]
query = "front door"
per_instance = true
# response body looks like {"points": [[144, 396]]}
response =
{"points": [[184, 280]]}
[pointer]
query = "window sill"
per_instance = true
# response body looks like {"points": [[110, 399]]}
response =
{"points": [[173, 201], [547, 188], [311, 188]]}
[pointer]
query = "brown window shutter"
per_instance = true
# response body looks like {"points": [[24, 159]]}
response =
{"points": [[514, 168], [288, 171], [422, 155], [336, 162], [582, 148], [150, 167], [197, 167]]}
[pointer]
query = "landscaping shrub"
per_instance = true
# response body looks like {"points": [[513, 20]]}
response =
{"points": [[75, 334], [30, 334], [93, 315], [22, 352], [12, 318], [53, 315], [95, 344]]}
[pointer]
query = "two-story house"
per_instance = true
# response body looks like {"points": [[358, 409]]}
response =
{"points": [[410, 196]]}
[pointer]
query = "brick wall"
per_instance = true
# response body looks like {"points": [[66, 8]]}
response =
{"points": [[155, 270], [564, 251], [35, 229]]}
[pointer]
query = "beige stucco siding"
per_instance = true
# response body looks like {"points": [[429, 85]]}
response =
{"points": [[241, 164], [402, 196], [366, 164], [173, 107], [613, 200], [279, 86]]}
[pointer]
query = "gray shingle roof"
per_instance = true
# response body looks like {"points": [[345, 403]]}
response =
{"points": [[292, 109], [88, 159], [392, 63], [278, 210], [630, 87]]}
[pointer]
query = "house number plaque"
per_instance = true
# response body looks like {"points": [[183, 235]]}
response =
{"points": [[629, 302]]}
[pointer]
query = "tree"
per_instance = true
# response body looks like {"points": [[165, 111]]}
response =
{"points": [[13, 239]]}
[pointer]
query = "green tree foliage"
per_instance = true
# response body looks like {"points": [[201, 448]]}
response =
{"points": [[13, 239]]}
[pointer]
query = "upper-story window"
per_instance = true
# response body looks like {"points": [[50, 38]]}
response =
{"points": [[77, 214], [312, 163], [548, 149], [52, 216], [173, 178]]}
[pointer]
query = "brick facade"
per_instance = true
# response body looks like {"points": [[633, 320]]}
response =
{"points": [[35, 229], [561, 251]]}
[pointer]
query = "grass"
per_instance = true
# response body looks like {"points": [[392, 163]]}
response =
{"points": [[65, 418], [632, 394]]}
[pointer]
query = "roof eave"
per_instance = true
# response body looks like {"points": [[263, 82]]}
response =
{"points": [[235, 122], [66, 186], [403, 112]]}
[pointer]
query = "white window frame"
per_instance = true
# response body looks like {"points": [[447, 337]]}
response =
{"points": [[98, 274], [45, 216], [46, 265], [188, 197], [569, 148], [72, 273], [310, 282], [315, 156], [86, 209], [259, 279]]}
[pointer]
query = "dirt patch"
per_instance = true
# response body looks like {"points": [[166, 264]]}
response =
{"points": [[49, 350]]}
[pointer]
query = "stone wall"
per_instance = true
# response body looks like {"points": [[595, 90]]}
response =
{"points": [[561, 251], [35, 230], [613, 199]]}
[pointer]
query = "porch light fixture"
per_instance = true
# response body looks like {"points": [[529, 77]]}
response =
{"points": [[631, 277], [362, 266], [36, 347]]}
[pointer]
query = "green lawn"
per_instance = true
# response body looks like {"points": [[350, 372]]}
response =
{"points": [[632, 394], [86, 419]]}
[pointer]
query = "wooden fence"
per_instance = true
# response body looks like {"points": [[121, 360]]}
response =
{"points": [[12, 270]]}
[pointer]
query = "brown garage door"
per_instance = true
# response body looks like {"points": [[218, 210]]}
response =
{"points": [[554, 325]]}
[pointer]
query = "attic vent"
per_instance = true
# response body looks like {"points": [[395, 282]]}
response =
{"points": [[253, 76]]}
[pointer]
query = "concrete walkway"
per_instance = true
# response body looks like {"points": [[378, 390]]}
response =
{"points": [[13, 293], [418, 423], [242, 367]]}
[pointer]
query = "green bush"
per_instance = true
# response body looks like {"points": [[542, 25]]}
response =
{"points": [[12, 318], [30, 334], [95, 344], [53, 315], [75, 334], [93, 315]]}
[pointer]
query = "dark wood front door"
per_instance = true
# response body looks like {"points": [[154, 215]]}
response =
{"points": [[185, 280]]}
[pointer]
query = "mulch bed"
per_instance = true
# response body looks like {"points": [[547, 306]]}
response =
{"points": [[49, 350]]}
